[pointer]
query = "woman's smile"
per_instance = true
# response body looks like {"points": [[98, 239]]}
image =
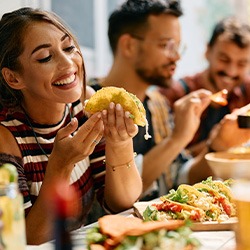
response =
{"points": [[67, 82], [53, 63]]}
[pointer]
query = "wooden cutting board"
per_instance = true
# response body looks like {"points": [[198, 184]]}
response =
{"points": [[229, 224]]}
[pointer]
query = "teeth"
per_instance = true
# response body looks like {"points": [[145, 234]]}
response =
{"points": [[227, 79], [66, 81]]}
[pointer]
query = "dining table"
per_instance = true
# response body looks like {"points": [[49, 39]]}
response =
{"points": [[210, 240]]}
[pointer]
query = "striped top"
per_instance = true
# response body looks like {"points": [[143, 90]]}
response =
{"points": [[87, 175]]}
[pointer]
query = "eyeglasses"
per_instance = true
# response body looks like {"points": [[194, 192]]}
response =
{"points": [[168, 46]]}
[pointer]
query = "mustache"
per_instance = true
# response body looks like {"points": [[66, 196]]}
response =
{"points": [[222, 73], [169, 64]]}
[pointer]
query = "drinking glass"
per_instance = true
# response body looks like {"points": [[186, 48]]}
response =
{"points": [[11, 203], [241, 193]]}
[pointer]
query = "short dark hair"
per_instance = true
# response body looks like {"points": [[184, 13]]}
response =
{"points": [[234, 30], [132, 16]]}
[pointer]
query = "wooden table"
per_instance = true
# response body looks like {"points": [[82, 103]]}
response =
{"points": [[211, 240]]}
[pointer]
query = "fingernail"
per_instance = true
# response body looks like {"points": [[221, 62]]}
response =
{"points": [[127, 114], [99, 115], [118, 106], [73, 121], [111, 105], [104, 112]]}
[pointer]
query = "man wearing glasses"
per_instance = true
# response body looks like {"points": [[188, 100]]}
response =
{"points": [[144, 36]]}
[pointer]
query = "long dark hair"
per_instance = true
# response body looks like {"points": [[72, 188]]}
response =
{"points": [[13, 27]]}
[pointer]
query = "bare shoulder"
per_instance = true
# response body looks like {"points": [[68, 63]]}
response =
{"points": [[89, 91], [8, 143]]}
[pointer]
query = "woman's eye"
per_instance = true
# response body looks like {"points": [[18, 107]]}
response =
{"points": [[46, 59], [70, 48]]}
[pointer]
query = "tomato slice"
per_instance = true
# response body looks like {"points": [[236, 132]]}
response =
{"points": [[167, 206]]}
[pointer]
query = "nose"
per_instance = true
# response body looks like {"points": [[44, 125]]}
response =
{"points": [[232, 70], [173, 54], [174, 51], [64, 61]]}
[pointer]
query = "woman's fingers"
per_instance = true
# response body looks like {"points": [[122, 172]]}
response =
{"points": [[110, 120], [121, 128], [132, 128], [91, 131], [68, 130], [118, 123]]}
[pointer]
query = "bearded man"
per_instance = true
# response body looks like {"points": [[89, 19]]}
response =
{"points": [[144, 36]]}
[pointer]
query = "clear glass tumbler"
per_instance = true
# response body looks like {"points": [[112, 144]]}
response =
{"points": [[241, 192], [11, 203]]}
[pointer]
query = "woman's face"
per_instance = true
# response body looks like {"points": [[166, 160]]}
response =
{"points": [[52, 68]]}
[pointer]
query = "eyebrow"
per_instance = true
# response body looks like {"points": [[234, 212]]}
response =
{"points": [[47, 45], [162, 38]]}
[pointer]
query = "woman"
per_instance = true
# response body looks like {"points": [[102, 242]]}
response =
{"points": [[44, 131]]}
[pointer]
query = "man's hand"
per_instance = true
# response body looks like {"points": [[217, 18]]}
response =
{"points": [[227, 134], [187, 113]]}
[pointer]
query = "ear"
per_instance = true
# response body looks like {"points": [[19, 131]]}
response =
{"points": [[207, 52], [11, 78], [127, 45]]}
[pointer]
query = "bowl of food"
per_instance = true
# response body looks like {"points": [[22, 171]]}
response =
{"points": [[244, 120], [227, 165]]}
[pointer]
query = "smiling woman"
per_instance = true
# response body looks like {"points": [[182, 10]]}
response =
{"points": [[44, 131]]}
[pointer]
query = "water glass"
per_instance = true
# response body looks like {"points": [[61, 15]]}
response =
{"points": [[241, 193], [11, 203]]}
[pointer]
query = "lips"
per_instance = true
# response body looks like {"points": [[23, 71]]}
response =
{"points": [[172, 69], [65, 81]]}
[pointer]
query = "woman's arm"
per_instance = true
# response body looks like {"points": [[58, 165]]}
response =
{"points": [[123, 184], [67, 151]]}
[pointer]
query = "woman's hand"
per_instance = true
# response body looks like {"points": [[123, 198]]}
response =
{"points": [[118, 126], [70, 149], [119, 129]]}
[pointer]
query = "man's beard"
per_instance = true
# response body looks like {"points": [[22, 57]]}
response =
{"points": [[154, 78]]}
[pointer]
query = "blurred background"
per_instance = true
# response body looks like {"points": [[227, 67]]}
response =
{"points": [[88, 20]]}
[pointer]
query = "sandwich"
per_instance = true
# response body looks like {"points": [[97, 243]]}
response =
{"points": [[136, 234]]}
